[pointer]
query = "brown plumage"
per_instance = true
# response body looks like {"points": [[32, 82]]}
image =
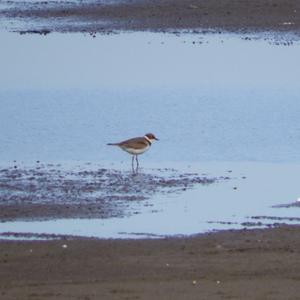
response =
{"points": [[135, 143], [136, 146]]}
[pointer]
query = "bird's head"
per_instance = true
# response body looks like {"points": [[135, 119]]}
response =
{"points": [[151, 137]]}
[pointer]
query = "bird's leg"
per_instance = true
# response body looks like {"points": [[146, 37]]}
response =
{"points": [[132, 163], [137, 162]]}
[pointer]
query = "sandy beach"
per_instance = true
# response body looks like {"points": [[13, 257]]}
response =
{"points": [[255, 264]]}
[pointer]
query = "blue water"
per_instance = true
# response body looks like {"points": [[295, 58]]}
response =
{"points": [[192, 124], [64, 96], [220, 99]]}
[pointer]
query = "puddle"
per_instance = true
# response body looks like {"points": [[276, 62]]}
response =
{"points": [[208, 99]]}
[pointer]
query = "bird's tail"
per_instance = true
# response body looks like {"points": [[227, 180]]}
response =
{"points": [[112, 144]]}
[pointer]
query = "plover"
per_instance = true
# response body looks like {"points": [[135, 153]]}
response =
{"points": [[136, 146]]}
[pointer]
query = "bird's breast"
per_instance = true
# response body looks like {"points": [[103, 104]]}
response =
{"points": [[135, 151]]}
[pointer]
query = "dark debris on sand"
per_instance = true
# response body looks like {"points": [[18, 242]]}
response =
{"points": [[46, 193]]}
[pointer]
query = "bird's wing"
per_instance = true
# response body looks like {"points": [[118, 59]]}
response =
{"points": [[134, 143]]}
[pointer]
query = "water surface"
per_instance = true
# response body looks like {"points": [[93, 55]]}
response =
{"points": [[210, 100], [64, 96], [244, 201]]}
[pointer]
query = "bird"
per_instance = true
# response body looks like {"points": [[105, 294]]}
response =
{"points": [[136, 146]]}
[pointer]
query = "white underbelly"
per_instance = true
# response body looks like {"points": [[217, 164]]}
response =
{"points": [[136, 151]]}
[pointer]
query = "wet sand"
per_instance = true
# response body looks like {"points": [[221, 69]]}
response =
{"points": [[43, 192], [251, 264], [159, 15]]}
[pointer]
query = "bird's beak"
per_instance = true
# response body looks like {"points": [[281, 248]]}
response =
{"points": [[157, 139]]}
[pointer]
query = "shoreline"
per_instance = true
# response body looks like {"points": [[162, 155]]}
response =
{"points": [[242, 264], [281, 16]]}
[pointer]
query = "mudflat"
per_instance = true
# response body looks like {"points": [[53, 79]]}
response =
{"points": [[46, 192], [244, 264], [159, 15]]}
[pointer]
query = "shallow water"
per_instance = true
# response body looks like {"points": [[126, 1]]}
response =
{"points": [[251, 192], [208, 98]]}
